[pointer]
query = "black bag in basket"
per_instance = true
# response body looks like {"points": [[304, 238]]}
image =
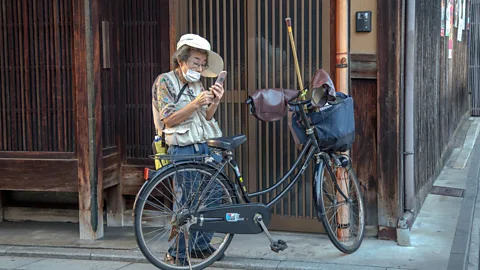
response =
{"points": [[334, 123]]}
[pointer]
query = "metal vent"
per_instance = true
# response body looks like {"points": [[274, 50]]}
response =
{"points": [[448, 191]]}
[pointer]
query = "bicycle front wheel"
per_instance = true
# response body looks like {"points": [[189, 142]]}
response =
{"points": [[165, 208], [341, 208]]}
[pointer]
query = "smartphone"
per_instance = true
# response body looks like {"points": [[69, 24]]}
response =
{"points": [[221, 77]]}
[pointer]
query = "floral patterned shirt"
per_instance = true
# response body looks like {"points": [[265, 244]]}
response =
{"points": [[166, 100]]}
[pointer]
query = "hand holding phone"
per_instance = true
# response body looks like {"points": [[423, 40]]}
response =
{"points": [[220, 80]]}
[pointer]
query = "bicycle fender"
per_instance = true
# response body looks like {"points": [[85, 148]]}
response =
{"points": [[162, 170], [146, 184], [316, 185]]}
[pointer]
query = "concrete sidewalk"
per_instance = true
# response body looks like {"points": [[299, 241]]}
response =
{"points": [[441, 236], [39, 263]]}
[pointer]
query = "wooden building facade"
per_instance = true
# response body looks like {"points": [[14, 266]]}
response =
{"points": [[76, 106], [76, 124], [474, 61]]}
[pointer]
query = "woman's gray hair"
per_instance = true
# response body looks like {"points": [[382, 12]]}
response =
{"points": [[182, 55]]}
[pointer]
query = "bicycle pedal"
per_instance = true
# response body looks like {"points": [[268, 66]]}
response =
{"points": [[278, 245]]}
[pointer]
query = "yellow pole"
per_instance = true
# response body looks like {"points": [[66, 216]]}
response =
{"points": [[288, 21]]}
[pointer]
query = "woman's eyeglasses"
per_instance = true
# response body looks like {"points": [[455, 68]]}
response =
{"points": [[197, 66]]}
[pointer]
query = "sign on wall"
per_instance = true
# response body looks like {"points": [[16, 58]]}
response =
{"points": [[461, 23], [450, 27]]}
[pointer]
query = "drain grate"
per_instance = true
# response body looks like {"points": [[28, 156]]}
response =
{"points": [[448, 191]]}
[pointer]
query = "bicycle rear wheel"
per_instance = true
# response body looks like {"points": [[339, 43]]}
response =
{"points": [[342, 215], [164, 209]]}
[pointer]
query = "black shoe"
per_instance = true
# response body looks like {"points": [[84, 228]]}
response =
{"points": [[173, 260], [204, 253]]}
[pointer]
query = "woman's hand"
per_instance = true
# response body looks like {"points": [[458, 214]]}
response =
{"points": [[204, 98], [218, 90]]}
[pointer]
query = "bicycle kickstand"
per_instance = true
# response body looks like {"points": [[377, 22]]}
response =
{"points": [[275, 246]]}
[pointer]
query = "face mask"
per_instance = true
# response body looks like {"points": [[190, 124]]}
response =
{"points": [[191, 76]]}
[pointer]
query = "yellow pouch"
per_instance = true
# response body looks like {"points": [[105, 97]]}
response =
{"points": [[160, 149]]}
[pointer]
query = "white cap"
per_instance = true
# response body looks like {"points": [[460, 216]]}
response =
{"points": [[215, 62]]}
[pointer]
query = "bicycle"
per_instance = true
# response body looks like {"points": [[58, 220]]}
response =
{"points": [[221, 207]]}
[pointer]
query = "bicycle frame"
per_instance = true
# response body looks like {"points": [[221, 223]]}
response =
{"points": [[297, 164], [311, 146]]}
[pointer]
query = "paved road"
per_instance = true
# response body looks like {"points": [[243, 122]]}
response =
{"points": [[10, 263]]}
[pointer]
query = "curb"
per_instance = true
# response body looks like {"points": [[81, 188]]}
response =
{"points": [[461, 241], [468, 145], [134, 256]]}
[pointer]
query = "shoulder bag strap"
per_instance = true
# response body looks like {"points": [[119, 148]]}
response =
{"points": [[176, 100], [181, 92]]}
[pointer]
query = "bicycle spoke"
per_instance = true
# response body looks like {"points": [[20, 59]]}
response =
{"points": [[155, 231], [207, 205], [164, 208], [152, 217], [158, 238], [343, 208], [167, 197], [205, 200], [162, 224]]}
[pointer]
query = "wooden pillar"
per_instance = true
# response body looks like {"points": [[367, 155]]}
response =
{"points": [[88, 117], [252, 131], [115, 206], [175, 7], [1, 207], [389, 98]]}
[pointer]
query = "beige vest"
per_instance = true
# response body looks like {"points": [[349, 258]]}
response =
{"points": [[196, 129]]}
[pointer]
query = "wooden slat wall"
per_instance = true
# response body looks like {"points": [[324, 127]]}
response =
{"points": [[110, 74], [363, 66], [36, 100], [364, 150], [145, 49], [144, 45], [474, 71], [275, 68], [223, 23], [39, 175], [441, 94], [111, 103]]}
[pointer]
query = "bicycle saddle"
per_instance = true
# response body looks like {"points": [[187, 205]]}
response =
{"points": [[227, 143]]}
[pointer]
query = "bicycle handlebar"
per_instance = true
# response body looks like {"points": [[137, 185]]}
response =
{"points": [[298, 103], [292, 103]]}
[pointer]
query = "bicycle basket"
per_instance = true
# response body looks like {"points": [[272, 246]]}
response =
{"points": [[334, 123]]}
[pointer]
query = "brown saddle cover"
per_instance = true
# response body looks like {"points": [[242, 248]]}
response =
{"points": [[272, 104]]}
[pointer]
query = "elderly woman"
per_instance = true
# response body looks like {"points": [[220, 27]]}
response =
{"points": [[183, 111]]}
